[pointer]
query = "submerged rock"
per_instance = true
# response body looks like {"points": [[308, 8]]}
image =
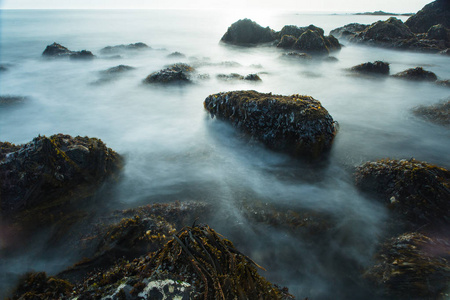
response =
{"points": [[235, 76], [41, 179], [57, 50], [176, 55], [436, 12], [176, 73], [10, 100], [118, 69], [413, 266], [296, 56], [418, 74], [121, 48], [377, 67], [437, 113], [295, 124], [112, 73], [415, 190], [246, 32], [348, 30]]}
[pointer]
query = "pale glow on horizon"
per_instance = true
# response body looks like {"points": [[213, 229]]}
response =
{"points": [[400, 6]]}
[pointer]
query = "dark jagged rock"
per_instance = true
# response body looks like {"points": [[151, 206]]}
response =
{"points": [[10, 100], [296, 31], [387, 32], [296, 55], [413, 266], [436, 12], [295, 124], [287, 41], [56, 50], [348, 30], [246, 32], [438, 32], [418, 74], [438, 113], [121, 48], [41, 179], [176, 55], [312, 42], [415, 190], [252, 77], [377, 67], [176, 73]]}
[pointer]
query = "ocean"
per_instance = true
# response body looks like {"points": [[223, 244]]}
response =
{"points": [[175, 151]]}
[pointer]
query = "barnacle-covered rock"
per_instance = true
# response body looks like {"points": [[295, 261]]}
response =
{"points": [[413, 266], [295, 124], [418, 74], [377, 67], [57, 50], [121, 48], [40, 179], [176, 73], [417, 191], [437, 113], [246, 32]]}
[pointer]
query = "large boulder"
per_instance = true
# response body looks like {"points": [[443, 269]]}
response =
{"points": [[56, 50], [436, 12], [247, 33], [417, 74], [438, 32], [295, 124], [412, 266], [312, 42], [298, 31], [40, 179], [416, 191], [176, 73], [377, 67], [388, 31]]}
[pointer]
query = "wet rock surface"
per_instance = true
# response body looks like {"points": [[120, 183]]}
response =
{"points": [[121, 48], [41, 178], [56, 50], [246, 32], [295, 124], [416, 191], [436, 12], [413, 266], [176, 73], [437, 113], [377, 67], [416, 74]]}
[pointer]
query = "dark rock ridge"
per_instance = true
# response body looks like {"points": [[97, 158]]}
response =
{"points": [[436, 12], [121, 48], [377, 67], [438, 113], [413, 266], [246, 32], [295, 124], [197, 263], [57, 50], [381, 13], [416, 191], [40, 179], [308, 39], [417, 74], [176, 73]]}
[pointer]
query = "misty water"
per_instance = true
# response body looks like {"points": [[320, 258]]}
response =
{"points": [[175, 151]]}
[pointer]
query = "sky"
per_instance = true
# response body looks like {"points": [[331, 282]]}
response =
{"points": [[396, 6]]}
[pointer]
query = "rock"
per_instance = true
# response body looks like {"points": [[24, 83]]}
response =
{"points": [[56, 50], [436, 12], [331, 59], [386, 32], [438, 113], [287, 41], [377, 67], [348, 31], [252, 77], [296, 31], [118, 69], [418, 74], [295, 124], [176, 55], [235, 76], [3, 68], [11, 100], [445, 52], [438, 32], [121, 48], [246, 32], [40, 286], [41, 179], [297, 56], [311, 42], [416, 191], [176, 73], [412, 266], [445, 83]]}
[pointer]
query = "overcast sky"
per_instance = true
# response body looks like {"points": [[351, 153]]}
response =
{"points": [[397, 6]]}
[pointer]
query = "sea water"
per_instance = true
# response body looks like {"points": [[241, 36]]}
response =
{"points": [[175, 151]]}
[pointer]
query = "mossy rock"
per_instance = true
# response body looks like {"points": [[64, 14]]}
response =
{"points": [[176, 73], [377, 67], [390, 30], [416, 74], [295, 124], [311, 42], [246, 32], [417, 191], [412, 266], [436, 12]]}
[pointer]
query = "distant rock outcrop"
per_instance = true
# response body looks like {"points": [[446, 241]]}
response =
{"points": [[121, 48], [57, 50], [434, 13], [247, 33], [295, 124]]}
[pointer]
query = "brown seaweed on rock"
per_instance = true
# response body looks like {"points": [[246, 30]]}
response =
{"points": [[295, 124]]}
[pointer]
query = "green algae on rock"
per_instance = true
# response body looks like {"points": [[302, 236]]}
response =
{"points": [[413, 266], [295, 124], [417, 191]]}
